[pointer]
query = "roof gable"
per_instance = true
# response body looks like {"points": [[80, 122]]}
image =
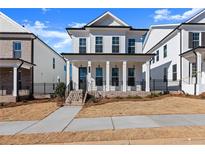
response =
{"points": [[9, 25], [197, 18], [107, 19]]}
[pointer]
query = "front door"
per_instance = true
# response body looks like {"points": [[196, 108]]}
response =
{"points": [[82, 77]]}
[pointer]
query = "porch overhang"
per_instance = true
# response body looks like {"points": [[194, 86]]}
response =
{"points": [[190, 54], [100, 57], [15, 62]]}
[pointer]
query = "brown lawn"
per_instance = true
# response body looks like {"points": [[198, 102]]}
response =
{"points": [[165, 105], [164, 135], [32, 111]]}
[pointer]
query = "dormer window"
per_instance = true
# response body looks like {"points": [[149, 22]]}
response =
{"points": [[131, 46], [99, 44], [115, 45], [82, 45]]}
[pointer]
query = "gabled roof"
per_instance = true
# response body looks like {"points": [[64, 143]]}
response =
{"points": [[107, 14], [195, 16], [9, 25]]}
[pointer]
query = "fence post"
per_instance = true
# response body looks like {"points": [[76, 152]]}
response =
{"points": [[44, 88]]}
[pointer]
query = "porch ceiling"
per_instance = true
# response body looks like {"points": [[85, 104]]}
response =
{"points": [[107, 57], [15, 62], [190, 55]]}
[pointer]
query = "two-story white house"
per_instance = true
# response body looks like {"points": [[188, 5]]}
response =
{"points": [[180, 55], [107, 56]]}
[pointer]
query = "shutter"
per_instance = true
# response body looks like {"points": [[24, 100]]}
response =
{"points": [[203, 39], [190, 40]]}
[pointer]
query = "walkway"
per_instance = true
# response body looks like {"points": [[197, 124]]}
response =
{"points": [[62, 120]]}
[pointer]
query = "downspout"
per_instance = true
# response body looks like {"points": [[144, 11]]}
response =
{"points": [[180, 61], [196, 71], [18, 79]]}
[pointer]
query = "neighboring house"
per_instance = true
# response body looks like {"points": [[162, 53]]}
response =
{"points": [[27, 65], [180, 56], [107, 56]]}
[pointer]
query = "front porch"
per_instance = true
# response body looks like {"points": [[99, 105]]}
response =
{"points": [[107, 72], [16, 79], [193, 74]]}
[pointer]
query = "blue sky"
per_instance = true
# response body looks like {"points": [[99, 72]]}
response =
{"points": [[50, 24]]}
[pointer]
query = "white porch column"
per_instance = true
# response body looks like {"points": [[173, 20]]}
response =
{"points": [[147, 77], [15, 81], [199, 62], [107, 75], [124, 76], [89, 76], [67, 72]]}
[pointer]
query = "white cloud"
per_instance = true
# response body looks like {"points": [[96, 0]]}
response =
{"points": [[45, 10], [165, 14], [76, 25], [58, 39]]}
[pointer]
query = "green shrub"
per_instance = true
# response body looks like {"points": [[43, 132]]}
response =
{"points": [[60, 90]]}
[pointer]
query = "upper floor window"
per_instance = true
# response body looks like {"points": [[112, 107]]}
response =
{"points": [[131, 45], [153, 59], [54, 63], [17, 49], [157, 55], [99, 44], [193, 39], [165, 51], [82, 45], [174, 72], [115, 45]]}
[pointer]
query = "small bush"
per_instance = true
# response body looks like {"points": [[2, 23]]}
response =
{"points": [[202, 95], [152, 95], [60, 90]]}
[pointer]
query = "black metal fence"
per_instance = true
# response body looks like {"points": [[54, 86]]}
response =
{"points": [[164, 85], [44, 88]]}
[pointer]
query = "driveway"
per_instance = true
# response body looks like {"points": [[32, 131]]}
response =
{"points": [[63, 120]]}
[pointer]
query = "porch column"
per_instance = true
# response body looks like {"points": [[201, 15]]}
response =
{"points": [[124, 76], [68, 72], [147, 77], [89, 76], [107, 75], [15, 81], [199, 62]]}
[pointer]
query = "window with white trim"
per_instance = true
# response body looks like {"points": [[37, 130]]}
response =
{"points": [[17, 49], [157, 55], [165, 51], [131, 46], [99, 76], [174, 72], [115, 76], [82, 45], [98, 44], [195, 40], [131, 76], [115, 45]]}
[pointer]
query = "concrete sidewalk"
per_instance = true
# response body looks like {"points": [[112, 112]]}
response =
{"points": [[63, 120]]}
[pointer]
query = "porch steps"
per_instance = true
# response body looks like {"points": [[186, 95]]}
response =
{"points": [[75, 98]]}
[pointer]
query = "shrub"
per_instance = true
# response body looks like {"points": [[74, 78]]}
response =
{"points": [[60, 90]]}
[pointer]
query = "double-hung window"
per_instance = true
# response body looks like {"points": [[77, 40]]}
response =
{"points": [[165, 51], [82, 45], [115, 45], [131, 46], [17, 49], [99, 44], [54, 63], [157, 55], [99, 76], [115, 76], [194, 70], [131, 76], [195, 40], [174, 72]]}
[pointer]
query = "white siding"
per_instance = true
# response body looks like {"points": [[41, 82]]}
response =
{"points": [[43, 58]]}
